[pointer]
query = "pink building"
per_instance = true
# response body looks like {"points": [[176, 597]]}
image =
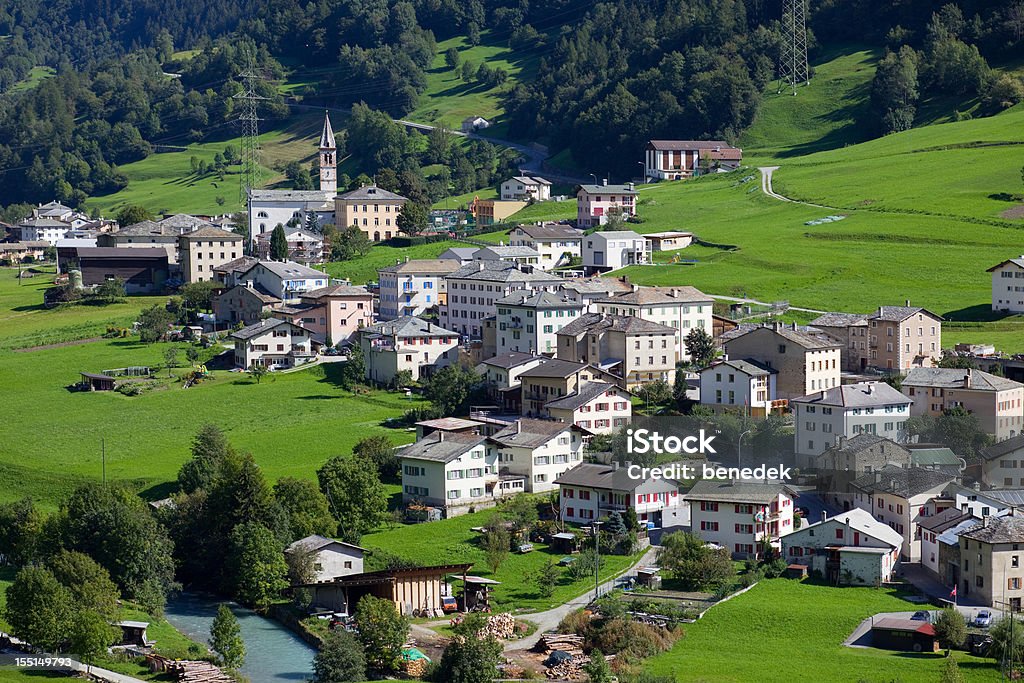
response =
{"points": [[594, 203]]}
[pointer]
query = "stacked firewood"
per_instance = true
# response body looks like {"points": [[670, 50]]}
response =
{"points": [[500, 626], [566, 642]]}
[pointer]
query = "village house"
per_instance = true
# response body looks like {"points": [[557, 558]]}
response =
{"points": [[406, 343], [448, 425], [589, 290], [845, 411], [23, 252], [538, 450], [529, 321], [53, 221], [682, 308], [991, 570], [273, 344], [491, 211], [1008, 285], [459, 255], [631, 349], [741, 516], [614, 249], [304, 246], [526, 188], [525, 256], [143, 271], [551, 379], [1002, 464], [849, 458], [242, 304], [557, 244], [997, 402], [471, 124], [205, 248], [286, 280], [333, 314], [896, 496], [474, 289], [501, 378], [370, 208], [301, 208], [413, 287], [330, 558], [940, 542], [590, 492], [679, 159], [739, 385], [228, 274], [598, 407], [852, 548], [595, 203], [149, 234], [668, 241], [806, 362], [893, 337]]}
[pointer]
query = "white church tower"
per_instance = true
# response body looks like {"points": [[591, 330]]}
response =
{"points": [[328, 160]]}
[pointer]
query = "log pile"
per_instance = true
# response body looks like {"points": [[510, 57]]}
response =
{"points": [[193, 671], [567, 642], [501, 626], [415, 667]]}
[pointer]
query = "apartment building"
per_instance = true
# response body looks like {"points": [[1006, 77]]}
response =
{"points": [[896, 496], [991, 570], [741, 516], [524, 256], [873, 408], [740, 385], [242, 304], [891, 338], [538, 450], [940, 542], [590, 492], [551, 379], [406, 343], [849, 549], [595, 203], [632, 350], [474, 289], [557, 244], [683, 308], [285, 280], [614, 249], [413, 287], [202, 250], [1008, 285], [679, 159], [850, 458], [273, 344], [806, 362], [997, 402], [529, 321], [333, 315], [589, 290], [304, 246], [370, 208], [598, 407], [526, 189]]}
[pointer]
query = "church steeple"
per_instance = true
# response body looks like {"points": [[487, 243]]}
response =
{"points": [[328, 158]]}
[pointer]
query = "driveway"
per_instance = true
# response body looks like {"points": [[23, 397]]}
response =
{"points": [[861, 636]]}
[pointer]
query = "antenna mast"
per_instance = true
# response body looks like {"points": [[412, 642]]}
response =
{"points": [[793, 69]]}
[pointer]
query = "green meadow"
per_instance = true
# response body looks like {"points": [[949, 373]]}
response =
{"points": [[805, 625]]}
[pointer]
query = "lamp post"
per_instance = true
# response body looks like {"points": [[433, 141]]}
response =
{"points": [[597, 559], [643, 166], [739, 448], [594, 176]]}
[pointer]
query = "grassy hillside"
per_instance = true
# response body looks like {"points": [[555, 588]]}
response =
{"points": [[806, 624], [826, 114]]}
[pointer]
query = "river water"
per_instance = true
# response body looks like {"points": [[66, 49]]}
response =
{"points": [[273, 654]]}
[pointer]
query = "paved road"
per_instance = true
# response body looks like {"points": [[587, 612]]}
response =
{"points": [[766, 187], [549, 620]]}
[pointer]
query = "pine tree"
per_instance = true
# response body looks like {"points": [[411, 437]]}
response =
{"points": [[278, 244]]}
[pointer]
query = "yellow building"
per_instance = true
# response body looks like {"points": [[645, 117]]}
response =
{"points": [[371, 209], [202, 250]]}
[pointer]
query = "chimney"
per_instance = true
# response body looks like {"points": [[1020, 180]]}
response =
{"points": [[615, 465], [406, 259], [794, 327], [604, 181], [908, 303], [777, 326], [428, 327], [479, 266], [984, 521], [631, 186], [519, 426], [440, 436], [824, 515], [636, 288], [878, 477], [674, 293], [871, 388]]}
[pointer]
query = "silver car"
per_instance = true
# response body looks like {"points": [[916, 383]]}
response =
{"points": [[983, 619]]}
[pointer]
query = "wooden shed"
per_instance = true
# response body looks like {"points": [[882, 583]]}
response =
{"points": [[97, 382], [891, 633]]}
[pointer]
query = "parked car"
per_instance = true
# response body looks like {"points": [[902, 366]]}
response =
{"points": [[983, 618], [525, 547], [449, 604], [922, 615]]}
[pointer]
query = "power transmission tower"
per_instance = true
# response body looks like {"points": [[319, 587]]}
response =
{"points": [[249, 120], [793, 69]]}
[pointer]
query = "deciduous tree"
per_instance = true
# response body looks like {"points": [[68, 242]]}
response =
{"points": [[382, 631], [226, 638], [340, 659], [355, 494]]}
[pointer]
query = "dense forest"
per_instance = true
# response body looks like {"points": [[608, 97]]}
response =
{"points": [[610, 75]]}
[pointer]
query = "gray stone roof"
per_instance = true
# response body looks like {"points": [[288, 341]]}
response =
{"points": [[800, 336], [592, 475], [537, 300], [511, 359], [688, 144], [738, 492], [554, 367], [860, 395], [902, 481], [499, 271], [861, 520], [505, 251], [1015, 261], [1008, 529], [371, 193], [585, 394], [256, 329], [256, 291], [956, 378], [210, 232], [238, 265], [839, 320], [336, 290], [747, 366], [315, 542], [628, 324], [423, 267], [442, 446], [645, 296], [290, 270], [898, 313], [184, 220], [408, 326], [529, 433], [1014, 497], [608, 189], [550, 231], [946, 519], [998, 450]]}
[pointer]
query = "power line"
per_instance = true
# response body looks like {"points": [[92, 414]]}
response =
{"points": [[793, 69], [249, 120]]}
